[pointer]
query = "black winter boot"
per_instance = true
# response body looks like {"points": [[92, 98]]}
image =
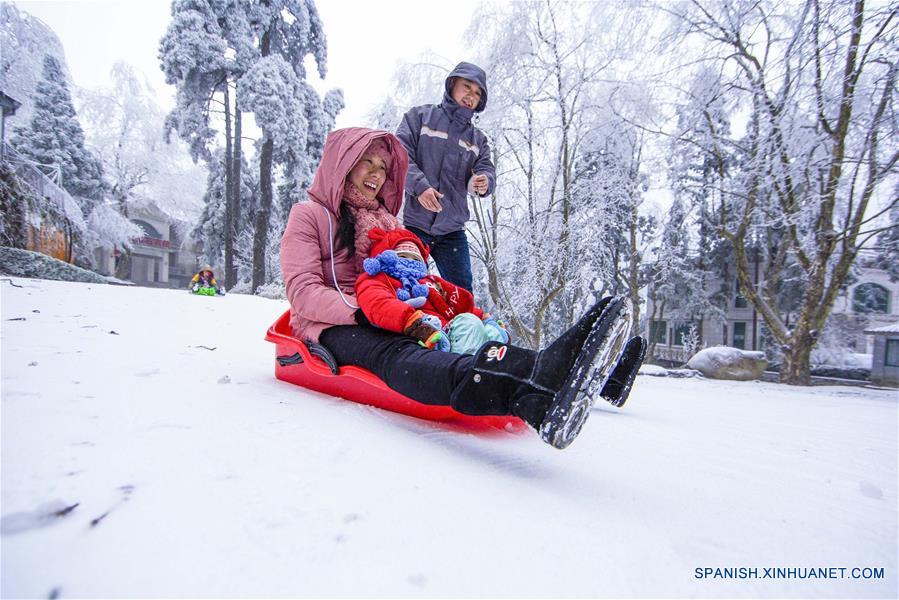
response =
{"points": [[619, 385], [594, 364], [568, 345], [549, 389]]}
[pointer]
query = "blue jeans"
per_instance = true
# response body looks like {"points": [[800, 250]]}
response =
{"points": [[450, 253]]}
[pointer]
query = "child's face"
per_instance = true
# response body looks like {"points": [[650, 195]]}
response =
{"points": [[368, 175], [408, 249], [466, 93]]}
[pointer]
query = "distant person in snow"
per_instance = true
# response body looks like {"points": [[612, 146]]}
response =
{"points": [[449, 158], [397, 293], [204, 280], [358, 186]]}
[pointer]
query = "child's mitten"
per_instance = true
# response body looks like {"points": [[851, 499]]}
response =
{"points": [[498, 327], [416, 302], [419, 326]]}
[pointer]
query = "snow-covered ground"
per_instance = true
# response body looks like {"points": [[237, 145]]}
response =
{"points": [[194, 473]]}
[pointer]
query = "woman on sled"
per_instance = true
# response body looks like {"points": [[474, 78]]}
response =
{"points": [[359, 186]]}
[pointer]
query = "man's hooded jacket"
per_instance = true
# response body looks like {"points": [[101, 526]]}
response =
{"points": [[445, 151]]}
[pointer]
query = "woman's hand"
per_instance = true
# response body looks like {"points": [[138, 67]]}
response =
{"points": [[430, 199]]}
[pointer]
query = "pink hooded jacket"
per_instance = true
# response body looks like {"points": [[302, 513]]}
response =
{"points": [[311, 234]]}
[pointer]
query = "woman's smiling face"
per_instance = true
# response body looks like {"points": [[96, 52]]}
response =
{"points": [[368, 175]]}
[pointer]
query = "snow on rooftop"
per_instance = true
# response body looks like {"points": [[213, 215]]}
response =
{"points": [[891, 328]]}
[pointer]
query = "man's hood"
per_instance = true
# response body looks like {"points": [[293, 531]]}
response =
{"points": [[472, 73]]}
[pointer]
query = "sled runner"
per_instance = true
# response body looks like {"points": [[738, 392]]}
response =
{"points": [[312, 366]]}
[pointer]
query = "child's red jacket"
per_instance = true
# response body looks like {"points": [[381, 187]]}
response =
{"points": [[376, 294]]}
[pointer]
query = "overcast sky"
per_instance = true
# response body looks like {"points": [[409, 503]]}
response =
{"points": [[365, 41]]}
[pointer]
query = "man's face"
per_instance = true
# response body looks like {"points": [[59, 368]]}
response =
{"points": [[466, 93]]}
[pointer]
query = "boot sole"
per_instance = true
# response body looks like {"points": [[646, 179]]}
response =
{"points": [[621, 398], [593, 367]]}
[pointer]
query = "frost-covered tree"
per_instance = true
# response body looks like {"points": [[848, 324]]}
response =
{"points": [[817, 82], [292, 117], [676, 288], [888, 242], [546, 242], [237, 56], [209, 227], [54, 139], [206, 47], [700, 159], [24, 42], [126, 127], [111, 231]]}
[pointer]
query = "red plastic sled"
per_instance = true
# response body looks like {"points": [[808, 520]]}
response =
{"points": [[295, 363]]}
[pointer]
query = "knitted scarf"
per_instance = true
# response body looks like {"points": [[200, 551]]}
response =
{"points": [[368, 214]]}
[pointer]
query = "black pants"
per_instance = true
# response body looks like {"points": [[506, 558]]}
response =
{"points": [[426, 376]]}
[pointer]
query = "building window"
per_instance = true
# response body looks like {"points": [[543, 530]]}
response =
{"points": [[892, 354], [870, 298], [739, 335], [681, 333], [739, 300], [658, 332]]}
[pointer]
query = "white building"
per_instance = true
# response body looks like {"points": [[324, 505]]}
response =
{"points": [[161, 258]]}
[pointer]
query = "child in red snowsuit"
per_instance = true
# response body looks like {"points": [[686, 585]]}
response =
{"points": [[397, 293]]}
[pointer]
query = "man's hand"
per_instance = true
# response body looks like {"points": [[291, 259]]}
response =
{"points": [[430, 199], [480, 184]]}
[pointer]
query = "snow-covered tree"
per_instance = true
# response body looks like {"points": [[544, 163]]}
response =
{"points": [[888, 242], [546, 242], [24, 42], [54, 139], [202, 53], [248, 56], [817, 82], [284, 106], [110, 230], [126, 127]]}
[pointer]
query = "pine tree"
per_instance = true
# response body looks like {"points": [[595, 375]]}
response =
{"points": [[54, 139]]}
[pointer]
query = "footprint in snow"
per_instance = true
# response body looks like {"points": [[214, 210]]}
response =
{"points": [[147, 373], [870, 490], [225, 379]]}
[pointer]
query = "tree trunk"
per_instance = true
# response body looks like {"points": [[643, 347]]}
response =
{"points": [[123, 265], [229, 214], [796, 367], [234, 198], [263, 214], [260, 241], [633, 275], [123, 262]]}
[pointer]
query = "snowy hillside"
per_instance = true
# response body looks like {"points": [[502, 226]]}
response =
{"points": [[148, 451]]}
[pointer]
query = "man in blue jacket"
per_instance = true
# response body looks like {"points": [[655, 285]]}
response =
{"points": [[449, 158]]}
